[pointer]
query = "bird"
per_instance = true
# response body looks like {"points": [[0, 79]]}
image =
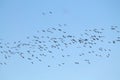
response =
{"points": [[46, 44], [50, 12]]}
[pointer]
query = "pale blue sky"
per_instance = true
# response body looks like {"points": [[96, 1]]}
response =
{"points": [[21, 18]]}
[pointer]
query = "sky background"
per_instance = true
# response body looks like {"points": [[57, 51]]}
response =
{"points": [[21, 18]]}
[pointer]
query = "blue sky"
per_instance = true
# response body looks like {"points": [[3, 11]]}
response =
{"points": [[21, 18]]}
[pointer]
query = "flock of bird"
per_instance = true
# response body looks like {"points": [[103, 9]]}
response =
{"points": [[55, 45]]}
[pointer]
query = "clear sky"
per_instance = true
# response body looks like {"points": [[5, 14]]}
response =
{"points": [[22, 18]]}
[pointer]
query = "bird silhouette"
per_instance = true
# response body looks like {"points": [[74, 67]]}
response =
{"points": [[41, 47]]}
